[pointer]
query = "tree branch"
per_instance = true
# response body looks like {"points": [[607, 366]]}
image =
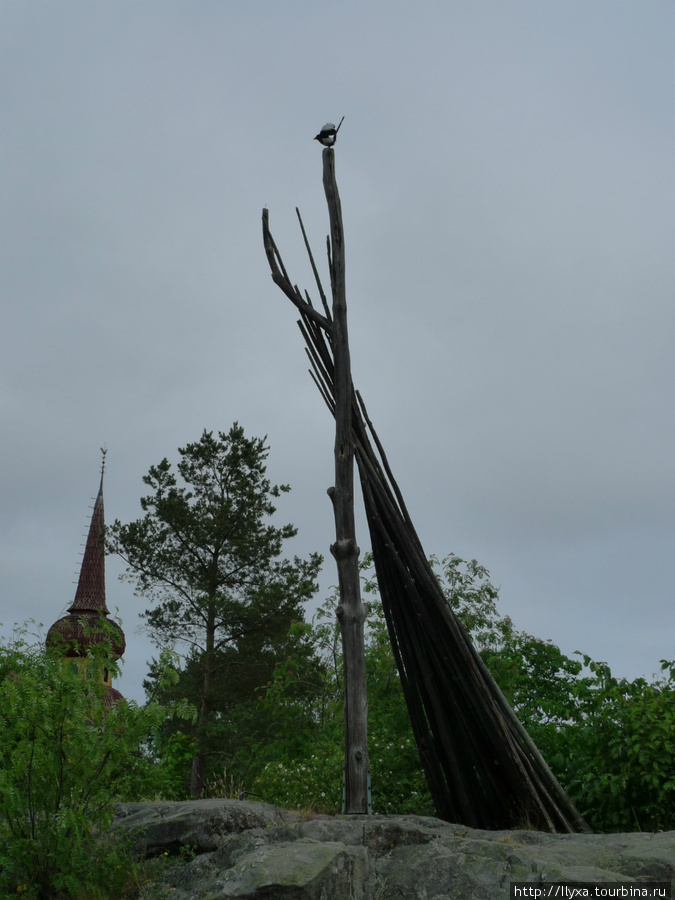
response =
{"points": [[281, 279]]}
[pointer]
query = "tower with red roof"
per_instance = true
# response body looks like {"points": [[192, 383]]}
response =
{"points": [[87, 622]]}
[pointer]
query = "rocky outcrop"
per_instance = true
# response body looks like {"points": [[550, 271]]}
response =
{"points": [[198, 824], [259, 851]]}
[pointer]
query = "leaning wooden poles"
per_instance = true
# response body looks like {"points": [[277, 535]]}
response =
{"points": [[350, 612], [482, 768]]}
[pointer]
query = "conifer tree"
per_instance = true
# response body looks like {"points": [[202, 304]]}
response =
{"points": [[209, 560]]}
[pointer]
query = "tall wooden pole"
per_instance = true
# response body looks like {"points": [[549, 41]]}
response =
{"points": [[350, 612], [339, 397], [482, 767]]}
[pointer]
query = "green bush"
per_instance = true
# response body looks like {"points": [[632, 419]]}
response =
{"points": [[620, 768], [303, 767], [609, 741], [66, 755], [174, 754]]}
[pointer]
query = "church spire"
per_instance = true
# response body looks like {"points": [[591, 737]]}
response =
{"points": [[90, 593], [87, 622]]}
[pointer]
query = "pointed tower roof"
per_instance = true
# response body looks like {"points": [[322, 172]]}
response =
{"points": [[90, 593], [87, 622]]}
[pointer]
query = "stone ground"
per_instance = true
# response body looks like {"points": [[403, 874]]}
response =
{"points": [[243, 849]]}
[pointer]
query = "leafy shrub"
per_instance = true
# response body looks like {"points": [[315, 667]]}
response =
{"points": [[173, 754], [303, 767], [66, 755], [609, 741], [622, 770]]}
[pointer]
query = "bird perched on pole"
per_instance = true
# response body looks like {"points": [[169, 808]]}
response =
{"points": [[328, 134]]}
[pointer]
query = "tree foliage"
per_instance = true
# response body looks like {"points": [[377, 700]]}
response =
{"points": [[239, 722], [303, 767], [207, 557], [610, 741], [66, 756]]}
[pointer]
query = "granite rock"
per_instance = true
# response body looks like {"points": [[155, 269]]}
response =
{"points": [[259, 851]]}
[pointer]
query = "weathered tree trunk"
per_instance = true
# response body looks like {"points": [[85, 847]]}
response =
{"points": [[204, 711], [350, 612]]}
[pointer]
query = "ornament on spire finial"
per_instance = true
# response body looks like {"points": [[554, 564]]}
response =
{"points": [[104, 450]]}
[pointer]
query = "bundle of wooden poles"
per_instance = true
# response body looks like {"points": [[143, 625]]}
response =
{"points": [[482, 767]]}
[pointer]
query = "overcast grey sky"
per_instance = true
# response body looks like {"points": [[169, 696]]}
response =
{"points": [[507, 181]]}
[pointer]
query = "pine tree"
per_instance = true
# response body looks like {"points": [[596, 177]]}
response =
{"points": [[208, 559]]}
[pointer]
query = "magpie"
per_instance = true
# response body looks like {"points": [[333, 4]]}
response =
{"points": [[328, 134]]}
